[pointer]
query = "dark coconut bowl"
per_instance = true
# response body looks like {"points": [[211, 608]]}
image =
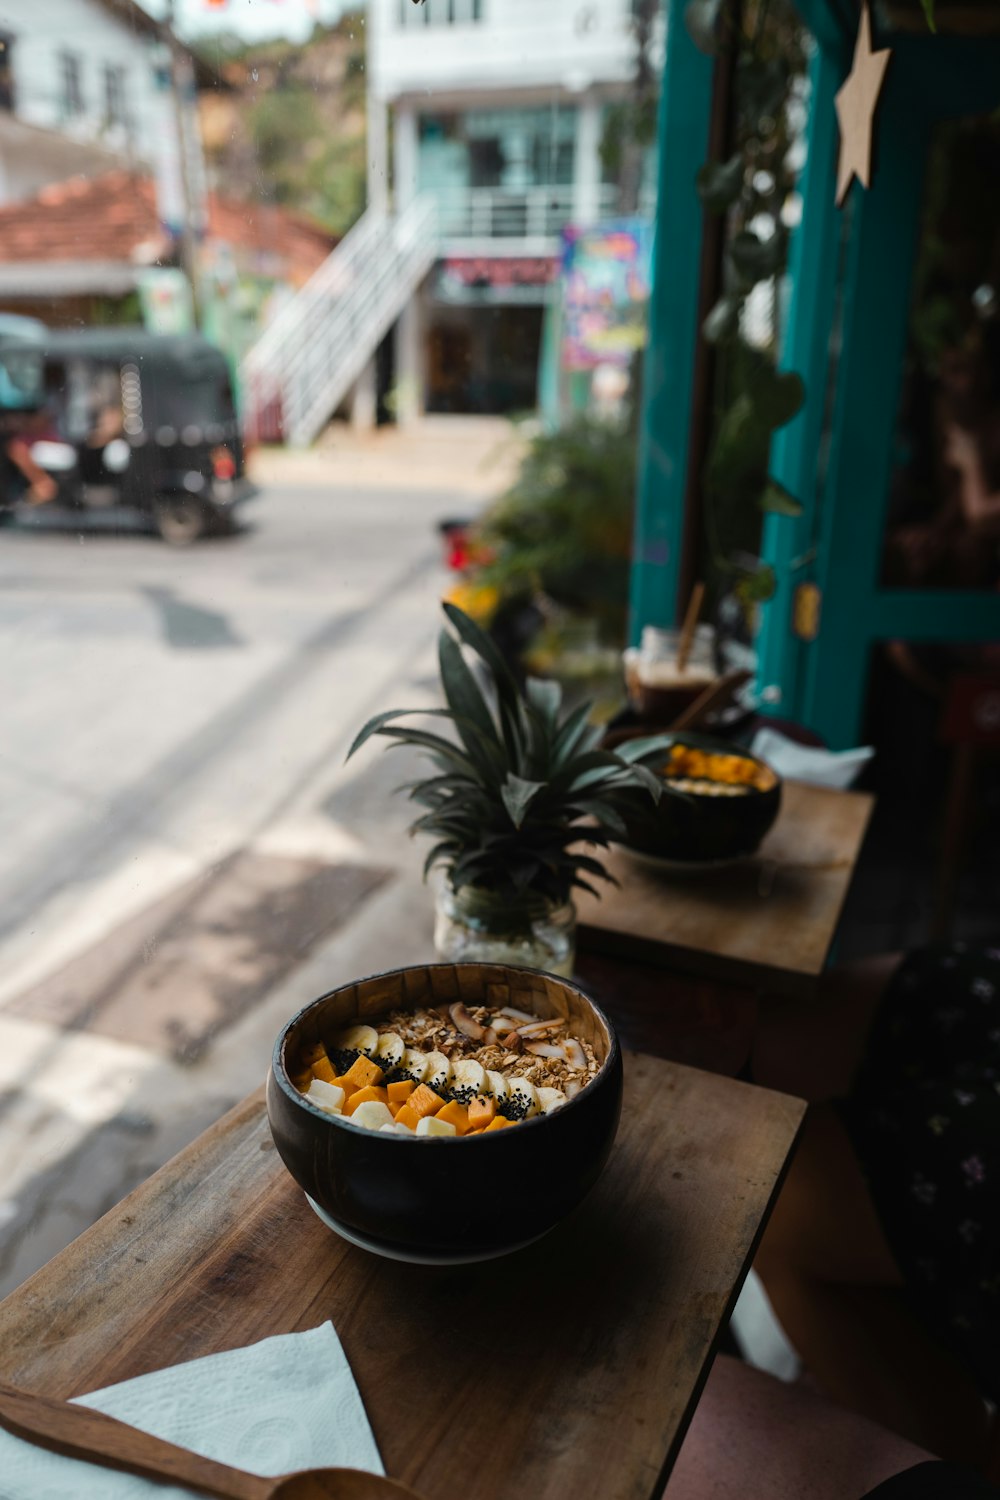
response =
{"points": [[695, 828], [446, 1200]]}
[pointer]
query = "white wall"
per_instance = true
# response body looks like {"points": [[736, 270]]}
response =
{"points": [[566, 44], [44, 28]]}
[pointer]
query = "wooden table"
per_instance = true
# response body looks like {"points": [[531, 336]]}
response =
{"points": [[768, 921], [570, 1368]]}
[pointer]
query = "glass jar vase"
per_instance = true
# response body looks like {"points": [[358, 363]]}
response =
{"points": [[476, 925]]}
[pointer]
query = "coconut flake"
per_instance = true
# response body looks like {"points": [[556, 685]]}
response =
{"points": [[545, 1049], [574, 1053]]}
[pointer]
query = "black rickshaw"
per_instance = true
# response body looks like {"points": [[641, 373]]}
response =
{"points": [[145, 423]]}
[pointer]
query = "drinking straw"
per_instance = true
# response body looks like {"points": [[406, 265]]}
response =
{"points": [[687, 629]]}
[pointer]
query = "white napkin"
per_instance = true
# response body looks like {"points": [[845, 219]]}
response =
{"points": [[833, 768], [286, 1403]]}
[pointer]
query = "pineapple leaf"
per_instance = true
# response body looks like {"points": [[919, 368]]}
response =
{"points": [[442, 750], [439, 852], [376, 724], [604, 814], [518, 796], [545, 696], [576, 734], [650, 744], [462, 691], [486, 649], [652, 783]]}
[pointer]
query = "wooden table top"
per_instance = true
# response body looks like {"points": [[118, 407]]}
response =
{"points": [[767, 920], [569, 1368]]}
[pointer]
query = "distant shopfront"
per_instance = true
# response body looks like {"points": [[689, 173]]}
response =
{"points": [[484, 317]]}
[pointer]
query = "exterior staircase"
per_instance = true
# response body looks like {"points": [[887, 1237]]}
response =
{"points": [[306, 361]]}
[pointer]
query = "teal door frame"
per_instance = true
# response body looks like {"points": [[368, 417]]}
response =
{"points": [[685, 108], [838, 541]]}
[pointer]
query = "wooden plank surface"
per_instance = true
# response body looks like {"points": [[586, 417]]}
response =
{"points": [[767, 920], [569, 1368]]}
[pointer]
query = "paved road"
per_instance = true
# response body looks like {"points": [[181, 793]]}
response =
{"points": [[163, 709]]}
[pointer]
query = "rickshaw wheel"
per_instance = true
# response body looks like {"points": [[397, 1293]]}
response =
{"points": [[181, 519]]}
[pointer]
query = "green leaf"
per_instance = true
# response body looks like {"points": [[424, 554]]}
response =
{"points": [[461, 689], [518, 796], [719, 183], [701, 17], [759, 586], [649, 744], [604, 812], [723, 322], [779, 399], [740, 442], [779, 501], [443, 750], [575, 732], [928, 6], [486, 648], [756, 258], [544, 694], [652, 783], [375, 724], [440, 851]]}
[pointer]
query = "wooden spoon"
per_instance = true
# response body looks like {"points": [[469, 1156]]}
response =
{"points": [[79, 1432]]}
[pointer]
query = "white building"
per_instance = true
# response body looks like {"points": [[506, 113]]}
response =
{"points": [[497, 109], [84, 88]]}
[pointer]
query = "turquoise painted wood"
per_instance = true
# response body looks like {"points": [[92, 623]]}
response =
{"points": [[685, 103], [823, 683], [789, 542]]}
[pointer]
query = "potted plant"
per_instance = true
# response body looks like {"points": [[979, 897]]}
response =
{"points": [[517, 796]]}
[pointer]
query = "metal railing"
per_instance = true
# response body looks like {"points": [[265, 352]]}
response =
{"points": [[307, 359], [534, 213]]}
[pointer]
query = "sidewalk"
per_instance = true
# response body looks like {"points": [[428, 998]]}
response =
{"points": [[429, 455]]}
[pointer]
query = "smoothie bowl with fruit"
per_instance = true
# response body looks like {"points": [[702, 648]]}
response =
{"points": [[446, 1113]]}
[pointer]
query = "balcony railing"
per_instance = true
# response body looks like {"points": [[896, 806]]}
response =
{"points": [[534, 213]]}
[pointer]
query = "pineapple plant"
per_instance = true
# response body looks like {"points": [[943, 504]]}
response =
{"points": [[521, 792]]}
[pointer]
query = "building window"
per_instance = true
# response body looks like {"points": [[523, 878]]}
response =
{"points": [[500, 148], [6, 70], [440, 12], [71, 84], [114, 95]]}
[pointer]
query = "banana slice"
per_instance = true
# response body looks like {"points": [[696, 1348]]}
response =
{"points": [[358, 1038], [468, 1078], [550, 1099], [415, 1064], [390, 1049], [496, 1084], [329, 1096], [430, 1126], [523, 1098], [373, 1114], [438, 1071]]}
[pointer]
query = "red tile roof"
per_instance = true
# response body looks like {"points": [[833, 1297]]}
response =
{"points": [[113, 218]]}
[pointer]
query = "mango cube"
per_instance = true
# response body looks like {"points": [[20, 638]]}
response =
{"points": [[363, 1072], [424, 1101]]}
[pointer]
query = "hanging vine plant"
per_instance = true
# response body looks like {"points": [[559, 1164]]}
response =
{"points": [[750, 187]]}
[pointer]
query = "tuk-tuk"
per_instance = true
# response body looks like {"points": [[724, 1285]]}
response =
{"points": [[22, 342], [143, 422]]}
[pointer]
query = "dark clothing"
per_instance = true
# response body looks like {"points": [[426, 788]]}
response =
{"points": [[934, 1481], [924, 1120]]}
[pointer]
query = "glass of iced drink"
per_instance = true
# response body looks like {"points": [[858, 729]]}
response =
{"points": [[660, 686]]}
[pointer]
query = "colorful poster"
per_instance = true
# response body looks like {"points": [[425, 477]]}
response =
{"points": [[606, 276]]}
